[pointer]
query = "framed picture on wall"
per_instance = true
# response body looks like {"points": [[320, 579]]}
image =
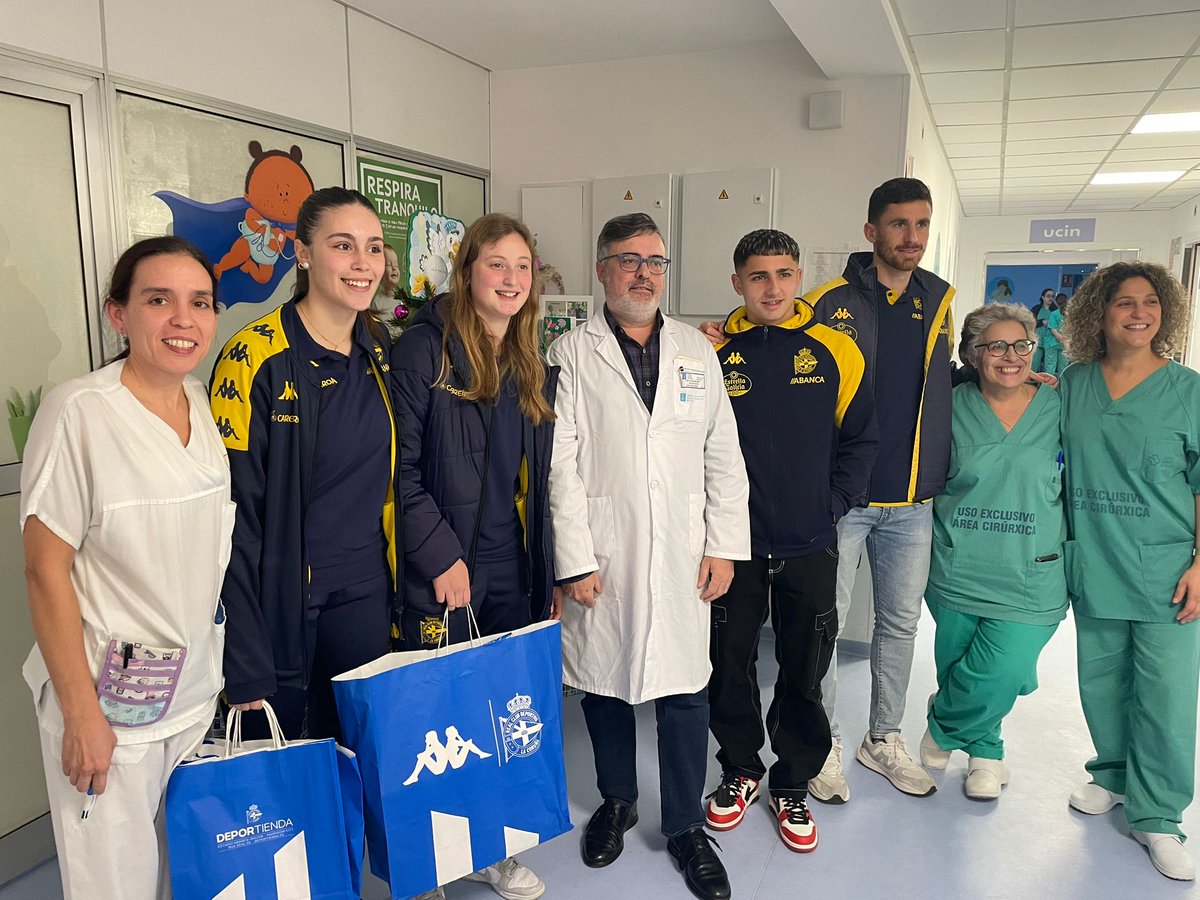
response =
{"points": [[561, 313]]}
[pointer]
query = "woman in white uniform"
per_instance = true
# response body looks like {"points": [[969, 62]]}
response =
{"points": [[126, 516]]}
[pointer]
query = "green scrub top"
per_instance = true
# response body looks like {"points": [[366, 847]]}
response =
{"points": [[1133, 470], [1053, 320], [999, 526]]}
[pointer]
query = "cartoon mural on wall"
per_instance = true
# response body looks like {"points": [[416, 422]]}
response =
{"points": [[249, 238]]}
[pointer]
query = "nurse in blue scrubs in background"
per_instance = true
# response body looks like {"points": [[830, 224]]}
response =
{"points": [[996, 585], [1131, 434]]}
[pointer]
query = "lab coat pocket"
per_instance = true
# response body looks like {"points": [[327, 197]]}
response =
{"points": [[689, 390], [1162, 457], [600, 524], [1162, 567], [696, 530]]}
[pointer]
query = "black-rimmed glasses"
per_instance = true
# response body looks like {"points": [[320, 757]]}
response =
{"points": [[1022, 347], [631, 262]]}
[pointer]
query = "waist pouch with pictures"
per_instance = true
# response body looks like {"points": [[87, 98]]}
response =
{"points": [[138, 682]]}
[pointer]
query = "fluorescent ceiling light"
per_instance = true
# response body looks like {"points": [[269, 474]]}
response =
{"points": [[1135, 177], [1163, 122]]}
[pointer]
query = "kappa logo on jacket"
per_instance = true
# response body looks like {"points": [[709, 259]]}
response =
{"points": [[227, 390], [289, 392], [239, 352], [225, 428], [266, 331], [842, 314], [735, 359]]}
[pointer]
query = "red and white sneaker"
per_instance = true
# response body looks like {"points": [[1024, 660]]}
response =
{"points": [[729, 802], [796, 825]]}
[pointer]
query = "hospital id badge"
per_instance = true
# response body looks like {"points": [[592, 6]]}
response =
{"points": [[138, 682]]}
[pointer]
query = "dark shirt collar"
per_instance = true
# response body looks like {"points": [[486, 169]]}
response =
{"points": [[620, 332]]}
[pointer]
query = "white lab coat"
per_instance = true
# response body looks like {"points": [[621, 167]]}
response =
{"points": [[641, 498]]}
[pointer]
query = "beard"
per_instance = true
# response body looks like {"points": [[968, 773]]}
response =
{"points": [[892, 257], [630, 311]]}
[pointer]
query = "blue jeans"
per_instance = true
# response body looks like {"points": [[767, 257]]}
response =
{"points": [[898, 540]]}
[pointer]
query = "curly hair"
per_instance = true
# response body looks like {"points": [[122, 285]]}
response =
{"points": [[1083, 323], [981, 319]]}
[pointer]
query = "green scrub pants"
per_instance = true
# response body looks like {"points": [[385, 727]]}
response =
{"points": [[1138, 684], [983, 665]]}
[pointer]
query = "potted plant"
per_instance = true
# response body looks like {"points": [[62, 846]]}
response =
{"points": [[21, 411]]}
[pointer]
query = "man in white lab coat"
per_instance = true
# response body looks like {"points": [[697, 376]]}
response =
{"points": [[648, 500]]}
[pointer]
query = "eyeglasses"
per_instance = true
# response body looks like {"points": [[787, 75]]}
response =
{"points": [[998, 348], [631, 262]]}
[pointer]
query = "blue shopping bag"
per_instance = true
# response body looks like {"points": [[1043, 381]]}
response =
{"points": [[265, 820], [461, 754]]}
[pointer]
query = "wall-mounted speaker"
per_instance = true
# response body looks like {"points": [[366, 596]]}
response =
{"points": [[826, 110]]}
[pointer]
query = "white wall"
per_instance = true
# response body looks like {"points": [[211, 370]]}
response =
{"points": [[309, 60], [932, 167], [735, 108], [1149, 232]]}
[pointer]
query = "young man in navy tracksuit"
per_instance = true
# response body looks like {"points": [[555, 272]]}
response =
{"points": [[809, 437]]}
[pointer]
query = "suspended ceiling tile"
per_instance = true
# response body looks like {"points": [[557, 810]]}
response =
{"points": [[1079, 170], [982, 113], [1170, 157], [1186, 100], [987, 148], [1056, 181], [933, 16], [1038, 12], [1091, 78], [1141, 37], [961, 87], [1188, 76], [1028, 131], [1161, 165], [968, 134], [963, 163], [1079, 107], [1060, 145], [967, 51], [1054, 159]]}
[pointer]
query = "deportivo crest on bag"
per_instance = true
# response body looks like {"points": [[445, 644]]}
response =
{"points": [[804, 362], [522, 729]]}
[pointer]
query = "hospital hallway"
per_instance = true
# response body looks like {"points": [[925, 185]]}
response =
{"points": [[882, 843]]}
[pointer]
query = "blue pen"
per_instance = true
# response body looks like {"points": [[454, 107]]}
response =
{"points": [[1060, 460], [88, 804]]}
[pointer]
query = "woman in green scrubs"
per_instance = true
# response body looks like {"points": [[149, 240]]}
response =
{"points": [[1132, 443], [997, 589]]}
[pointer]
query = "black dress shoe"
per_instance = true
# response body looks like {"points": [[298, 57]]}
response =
{"points": [[604, 837], [703, 872]]}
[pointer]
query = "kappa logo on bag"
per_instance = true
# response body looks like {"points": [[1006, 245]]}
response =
{"points": [[437, 757], [522, 729]]}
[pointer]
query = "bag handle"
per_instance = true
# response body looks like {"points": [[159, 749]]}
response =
{"points": [[474, 638], [233, 730]]}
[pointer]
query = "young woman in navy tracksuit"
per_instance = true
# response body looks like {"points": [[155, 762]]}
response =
{"points": [[301, 399], [475, 407]]}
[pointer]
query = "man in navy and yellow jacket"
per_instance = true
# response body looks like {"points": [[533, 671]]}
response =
{"points": [[809, 438]]}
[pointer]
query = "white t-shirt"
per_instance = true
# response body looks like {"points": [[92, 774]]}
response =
{"points": [[151, 522]]}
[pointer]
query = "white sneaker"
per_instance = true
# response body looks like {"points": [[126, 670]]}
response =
{"points": [[1167, 854], [890, 759], [932, 753], [1094, 800], [511, 880], [436, 894], [830, 785], [985, 778]]}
